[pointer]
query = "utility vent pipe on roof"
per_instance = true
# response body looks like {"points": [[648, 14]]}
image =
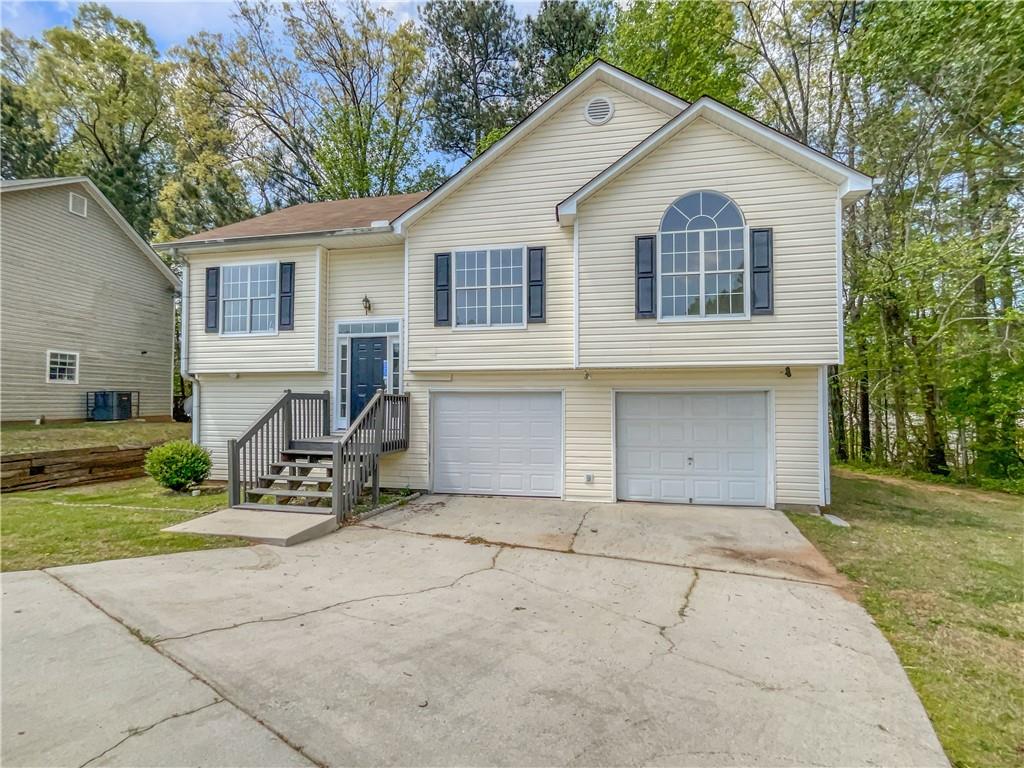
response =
{"points": [[599, 110]]}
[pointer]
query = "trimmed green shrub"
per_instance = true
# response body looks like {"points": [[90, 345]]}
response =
{"points": [[178, 465]]}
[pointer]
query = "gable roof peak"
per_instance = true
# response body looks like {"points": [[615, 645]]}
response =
{"points": [[598, 71], [851, 183]]}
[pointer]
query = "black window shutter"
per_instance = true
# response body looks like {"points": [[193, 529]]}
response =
{"points": [[535, 285], [442, 288], [762, 300], [645, 277], [286, 296], [212, 299]]}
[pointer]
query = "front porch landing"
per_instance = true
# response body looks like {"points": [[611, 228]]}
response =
{"points": [[281, 529]]}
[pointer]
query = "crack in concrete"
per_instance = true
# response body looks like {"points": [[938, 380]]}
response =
{"points": [[603, 556], [572, 542], [339, 604], [591, 603], [134, 632], [133, 732]]}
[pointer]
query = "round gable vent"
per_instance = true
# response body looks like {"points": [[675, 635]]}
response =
{"points": [[599, 111]]}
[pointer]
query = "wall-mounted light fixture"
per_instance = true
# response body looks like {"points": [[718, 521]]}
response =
{"points": [[789, 373], [586, 375], [367, 306]]}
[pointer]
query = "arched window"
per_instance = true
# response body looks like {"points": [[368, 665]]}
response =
{"points": [[703, 257]]}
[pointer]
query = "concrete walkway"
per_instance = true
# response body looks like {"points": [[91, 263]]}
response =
{"points": [[463, 631]]}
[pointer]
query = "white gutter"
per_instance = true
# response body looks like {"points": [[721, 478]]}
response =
{"points": [[183, 356]]}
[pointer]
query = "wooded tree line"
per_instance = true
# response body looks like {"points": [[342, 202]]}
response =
{"points": [[319, 100]]}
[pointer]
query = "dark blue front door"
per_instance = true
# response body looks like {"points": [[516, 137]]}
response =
{"points": [[368, 358]]}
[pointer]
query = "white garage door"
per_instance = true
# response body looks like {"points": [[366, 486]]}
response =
{"points": [[699, 448], [502, 443]]}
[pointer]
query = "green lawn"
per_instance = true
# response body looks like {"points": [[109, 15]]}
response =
{"points": [[941, 570], [21, 438], [83, 524]]}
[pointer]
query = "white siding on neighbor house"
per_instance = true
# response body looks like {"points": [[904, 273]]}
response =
{"points": [[294, 350], [78, 285], [771, 192], [513, 203], [589, 421]]}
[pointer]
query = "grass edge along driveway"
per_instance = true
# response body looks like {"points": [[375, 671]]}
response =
{"points": [[941, 570], [105, 521]]}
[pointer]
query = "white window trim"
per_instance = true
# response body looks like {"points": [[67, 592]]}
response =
{"points": [[46, 373], [85, 204], [488, 325], [702, 318], [277, 300], [342, 422]]}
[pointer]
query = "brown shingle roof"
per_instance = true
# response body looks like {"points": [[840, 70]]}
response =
{"points": [[316, 217]]}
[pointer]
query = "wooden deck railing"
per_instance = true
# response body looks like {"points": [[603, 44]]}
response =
{"points": [[295, 416], [382, 427]]}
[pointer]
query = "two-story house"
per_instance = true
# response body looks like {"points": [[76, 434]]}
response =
{"points": [[87, 308], [627, 297]]}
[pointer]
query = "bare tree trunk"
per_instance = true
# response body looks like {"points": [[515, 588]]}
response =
{"points": [[935, 441], [863, 392], [835, 407]]}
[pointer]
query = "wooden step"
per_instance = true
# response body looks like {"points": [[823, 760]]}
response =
{"points": [[323, 444], [296, 478], [307, 452], [324, 464], [296, 492], [286, 508]]}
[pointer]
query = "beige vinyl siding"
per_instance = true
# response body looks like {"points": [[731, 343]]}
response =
{"points": [[771, 192], [377, 273], [229, 406], [79, 285], [513, 203], [589, 421], [294, 350]]}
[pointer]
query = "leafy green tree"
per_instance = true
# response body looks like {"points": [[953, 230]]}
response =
{"points": [[28, 148], [684, 48], [102, 85], [370, 140], [475, 81], [206, 189], [493, 137], [558, 40], [331, 101]]}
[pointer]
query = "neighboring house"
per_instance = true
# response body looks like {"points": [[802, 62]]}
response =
{"points": [[627, 297], [87, 306]]}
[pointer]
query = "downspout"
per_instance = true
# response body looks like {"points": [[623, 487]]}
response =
{"points": [[183, 359]]}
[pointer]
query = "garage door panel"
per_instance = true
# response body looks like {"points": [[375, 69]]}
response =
{"points": [[504, 443], [709, 448]]}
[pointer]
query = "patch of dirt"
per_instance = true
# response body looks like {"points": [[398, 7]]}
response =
{"points": [[920, 485], [804, 563], [424, 506]]}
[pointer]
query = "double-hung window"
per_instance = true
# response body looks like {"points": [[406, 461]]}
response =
{"points": [[490, 287], [249, 303], [62, 367], [702, 258]]}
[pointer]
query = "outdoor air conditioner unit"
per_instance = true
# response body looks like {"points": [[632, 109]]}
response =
{"points": [[111, 405]]}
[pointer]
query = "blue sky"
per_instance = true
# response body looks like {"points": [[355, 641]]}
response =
{"points": [[169, 23]]}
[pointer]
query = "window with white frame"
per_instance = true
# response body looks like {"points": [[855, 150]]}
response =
{"points": [[702, 258], [489, 287], [249, 303], [62, 367]]}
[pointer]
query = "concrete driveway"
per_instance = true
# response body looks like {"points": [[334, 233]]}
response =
{"points": [[463, 631]]}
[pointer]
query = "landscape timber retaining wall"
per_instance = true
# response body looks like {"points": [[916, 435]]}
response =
{"points": [[72, 466]]}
